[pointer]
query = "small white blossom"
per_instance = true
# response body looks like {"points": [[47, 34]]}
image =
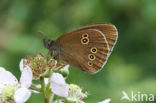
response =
{"points": [[58, 85], [75, 94], [106, 101], [12, 89]]}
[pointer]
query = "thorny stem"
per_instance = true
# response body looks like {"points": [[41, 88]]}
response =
{"points": [[46, 100]]}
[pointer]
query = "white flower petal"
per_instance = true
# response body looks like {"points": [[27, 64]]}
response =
{"points": [[2, 69], [58, 85], [65, 70], [106, 101], [66, 67], [26, 77], [46, 80], [21, 66], [34, 91], [57, 78], [22, 95], [7, 78]]}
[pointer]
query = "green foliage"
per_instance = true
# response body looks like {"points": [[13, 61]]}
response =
{"points": [[130, 67]]}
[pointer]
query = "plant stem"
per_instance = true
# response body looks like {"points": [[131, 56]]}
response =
{"points": [[51, 98], [33, 87], [46, 100]]}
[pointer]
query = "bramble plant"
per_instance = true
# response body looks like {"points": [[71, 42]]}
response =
{"points": [[52, 76]]}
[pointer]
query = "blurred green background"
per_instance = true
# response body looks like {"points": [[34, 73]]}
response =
{"points": [[132, 65]]}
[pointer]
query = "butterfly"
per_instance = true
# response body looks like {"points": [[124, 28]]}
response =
{"points": [[86, 48]]}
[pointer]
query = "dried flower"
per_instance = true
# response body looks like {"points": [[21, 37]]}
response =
{"points": [[39, 64]]}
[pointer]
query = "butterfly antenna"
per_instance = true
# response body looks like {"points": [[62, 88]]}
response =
{"points": [[45, 37]]}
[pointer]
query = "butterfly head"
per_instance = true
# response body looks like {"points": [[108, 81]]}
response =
{"points": [[49, 44], [52, 46]]}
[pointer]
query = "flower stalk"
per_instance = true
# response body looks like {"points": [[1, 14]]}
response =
{"points": [[46, 99]]}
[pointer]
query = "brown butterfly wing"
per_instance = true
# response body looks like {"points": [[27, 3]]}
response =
{"points": [[79, 54], [108, 30]]}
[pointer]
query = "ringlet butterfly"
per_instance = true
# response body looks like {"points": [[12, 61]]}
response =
{"points": [[86, 48]]}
